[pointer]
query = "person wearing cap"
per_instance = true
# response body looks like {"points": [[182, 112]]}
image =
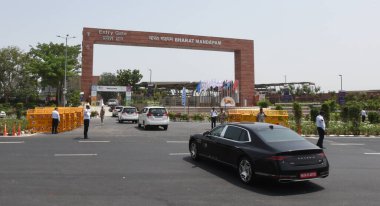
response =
{"points": [[321, 127]]}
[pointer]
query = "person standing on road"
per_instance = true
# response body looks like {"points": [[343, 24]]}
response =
{"points": [[222, 116], [102, 112], [55, 121], [87, 116], [261, 116], [363, 113], [214, 115], [321, 127]]}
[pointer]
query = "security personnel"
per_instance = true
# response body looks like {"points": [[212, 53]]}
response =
{"points": [[55, 121], [321, 127], [87, 116]]}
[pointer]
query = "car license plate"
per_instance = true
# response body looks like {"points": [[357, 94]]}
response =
{"points": [[306, 175]]}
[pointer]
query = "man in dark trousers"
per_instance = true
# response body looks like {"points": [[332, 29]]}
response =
{"points": [[214, 115], [55, 121], [321, 127], [86, 116]]}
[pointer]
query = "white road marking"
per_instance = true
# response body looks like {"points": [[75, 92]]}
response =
{"points": [[20, 142], [94, 141], [374, 153], [177, 141], [347, 144], [179, 154], [74, 155]]}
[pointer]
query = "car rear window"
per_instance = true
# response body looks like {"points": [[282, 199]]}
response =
{"points": [[278, 135], [129, 110], [118, 108], [157, 111]]}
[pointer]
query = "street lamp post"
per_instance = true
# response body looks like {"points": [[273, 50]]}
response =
{"points": [[65, 87], [341, 85], [150, 76]]}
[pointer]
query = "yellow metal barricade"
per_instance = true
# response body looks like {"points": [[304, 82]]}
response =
{"points": [[39, 118], [279, 117]]}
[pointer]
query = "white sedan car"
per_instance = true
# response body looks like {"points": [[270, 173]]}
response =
{"points": [[128, 114], [3, 114]]}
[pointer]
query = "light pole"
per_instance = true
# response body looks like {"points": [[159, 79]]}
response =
{"points": [[65, 88], [285, 78], [150, 76], [341, 87]]}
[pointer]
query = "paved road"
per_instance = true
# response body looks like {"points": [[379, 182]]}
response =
{"points": [[123, 165]]}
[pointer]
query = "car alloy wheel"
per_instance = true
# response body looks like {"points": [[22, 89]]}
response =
{"points": [[245, 170], [194, 151]]}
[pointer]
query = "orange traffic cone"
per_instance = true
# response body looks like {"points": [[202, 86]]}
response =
{"points": [[5, 133], [19, 130], [14, 130]]}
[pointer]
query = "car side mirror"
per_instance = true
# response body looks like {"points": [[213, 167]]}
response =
{"points": [[206, 133]]}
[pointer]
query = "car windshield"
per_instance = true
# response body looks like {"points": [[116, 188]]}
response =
{"points": [[278, 135], [129, 110], [157, 111]]}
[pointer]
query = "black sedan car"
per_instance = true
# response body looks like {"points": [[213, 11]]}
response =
{"points": [[261, 149]]}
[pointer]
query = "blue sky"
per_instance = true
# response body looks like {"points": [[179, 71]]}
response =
{"points": [[305, 40]]}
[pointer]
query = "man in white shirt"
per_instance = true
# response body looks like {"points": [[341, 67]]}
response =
{"points": [[321, 127], [364, 115], [55, 121], [86, 117], [214, 115]]}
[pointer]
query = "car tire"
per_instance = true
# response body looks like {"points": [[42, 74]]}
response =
{"points": [[165, 127], [193, 148], [120, 121], [245, 170], [139, 125]]}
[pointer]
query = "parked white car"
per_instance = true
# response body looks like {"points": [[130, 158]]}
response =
{"points": [[128, 114], [153, 117], [3, 114]]}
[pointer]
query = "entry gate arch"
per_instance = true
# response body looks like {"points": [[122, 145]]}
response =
{"points": [[242, 48]]}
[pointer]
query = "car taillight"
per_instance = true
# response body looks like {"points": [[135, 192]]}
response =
{"points": [[277, 158], [165, 114], [149, 114], [322, 154]]}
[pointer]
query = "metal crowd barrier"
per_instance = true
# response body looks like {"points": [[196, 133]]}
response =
{"points": [[40, 120], [279, 117]]}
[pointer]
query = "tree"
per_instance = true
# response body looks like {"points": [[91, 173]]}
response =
{"points": [[15, 80], [128, 77], [297, 115], [48, 61]]}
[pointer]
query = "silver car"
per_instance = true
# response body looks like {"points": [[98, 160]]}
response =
{"points": [[128, 114]]}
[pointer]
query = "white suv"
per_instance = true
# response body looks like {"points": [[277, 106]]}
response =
{"points": [[128, 114], [154, 117]]}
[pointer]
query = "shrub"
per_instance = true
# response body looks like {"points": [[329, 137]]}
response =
{"points": [[94, 113], [19, 108], [313, 113], [279, 107], [197, 117], [326, 110], [263, 104], [373, 117], [185, 117]]}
